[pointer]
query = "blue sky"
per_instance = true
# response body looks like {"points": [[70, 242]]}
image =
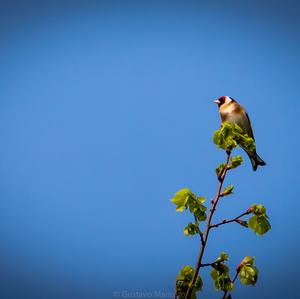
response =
{"points": [[106, 111]]}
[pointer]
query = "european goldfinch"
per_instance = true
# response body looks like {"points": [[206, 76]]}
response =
{"points": [[232, 112]]}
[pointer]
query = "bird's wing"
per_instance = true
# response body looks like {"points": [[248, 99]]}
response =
{"points": [[250, 131]]}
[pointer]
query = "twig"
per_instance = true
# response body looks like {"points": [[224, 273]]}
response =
{"points": [[236, 219], [201, 237], [210, 264], [200, 233], [208, 227]]}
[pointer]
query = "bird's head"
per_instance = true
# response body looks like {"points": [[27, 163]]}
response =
{"points": [[223, 100]]}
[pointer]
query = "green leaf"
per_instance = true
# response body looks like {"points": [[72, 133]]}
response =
{"points": [[199, 210], [201, 199], [247, 142], [248, 261], [259, 222], [223, 257], [200, 214], [183, 281], [230, 135], [186, 199], [181, 198], [248, 272], [227, 190], [221, 278], [191, 229], [220, 169], [195, 204], [248, 275], [235, 162], [220, 273], [214, 274], [258, 210]]}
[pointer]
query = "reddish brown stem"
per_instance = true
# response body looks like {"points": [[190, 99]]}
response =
{"points": [[236, 219], [208, 227]]}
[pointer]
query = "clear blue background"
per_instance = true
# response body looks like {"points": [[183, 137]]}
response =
{"points": [[106, 111]]}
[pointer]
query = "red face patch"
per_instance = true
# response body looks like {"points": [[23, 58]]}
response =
{"points": [[222, 98]]}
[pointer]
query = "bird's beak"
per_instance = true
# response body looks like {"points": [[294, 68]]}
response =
{"points": [[216, 102]]}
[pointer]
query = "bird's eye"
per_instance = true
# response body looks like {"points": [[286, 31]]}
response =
{"points": [[222, 100]]}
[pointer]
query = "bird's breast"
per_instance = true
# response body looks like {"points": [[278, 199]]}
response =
{"points": [[231, 116]]}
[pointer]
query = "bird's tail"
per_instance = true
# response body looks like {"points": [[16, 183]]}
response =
{"points": [[256, 160]]}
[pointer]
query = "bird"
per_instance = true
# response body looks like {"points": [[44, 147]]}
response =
{"points": [[231, 111]]}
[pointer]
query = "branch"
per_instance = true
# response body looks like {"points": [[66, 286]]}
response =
{"points": [[208, 227], [236, 219]]}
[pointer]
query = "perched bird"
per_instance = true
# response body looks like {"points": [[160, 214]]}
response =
{"points": [[232, 112]]}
